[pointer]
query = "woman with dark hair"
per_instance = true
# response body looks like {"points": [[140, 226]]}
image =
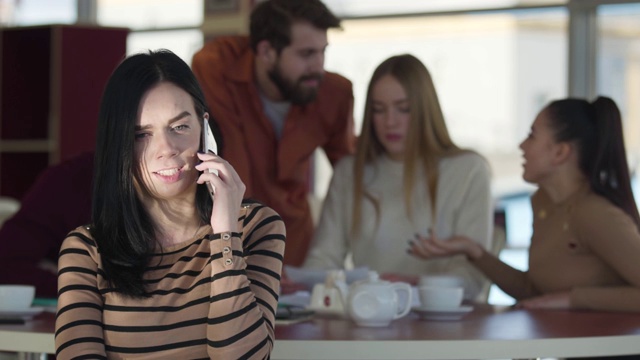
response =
{"points": [[407, 177], [586, 242], [163, 270]]}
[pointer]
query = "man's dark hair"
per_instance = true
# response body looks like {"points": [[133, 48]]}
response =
{"points": [[271, 20]]}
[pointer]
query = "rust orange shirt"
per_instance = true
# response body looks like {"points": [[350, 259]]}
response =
{"points": [[276, 171]]}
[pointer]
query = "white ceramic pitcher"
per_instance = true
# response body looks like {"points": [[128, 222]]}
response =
{"points": [[375, 302]]}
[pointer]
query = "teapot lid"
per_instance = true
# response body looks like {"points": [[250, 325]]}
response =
{"points": [[372, 279]]}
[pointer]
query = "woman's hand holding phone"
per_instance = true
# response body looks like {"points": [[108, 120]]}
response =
{"points": [[223, 182], [229, 191]]}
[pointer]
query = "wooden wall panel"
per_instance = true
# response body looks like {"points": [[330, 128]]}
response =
{"points": [[50, 91]]}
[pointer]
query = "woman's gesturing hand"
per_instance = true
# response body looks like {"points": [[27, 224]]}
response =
{"points": [[229, 191], [432, 248]]}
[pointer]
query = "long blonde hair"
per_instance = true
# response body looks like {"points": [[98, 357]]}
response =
{"points": [[427, 140]]}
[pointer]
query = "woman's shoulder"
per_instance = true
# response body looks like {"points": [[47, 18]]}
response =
{"points": [[80, 238], [467, 161], [258, 217], [591, 204], [345, 164], [596, 217], [343, 170], [466, 156], [255, 210]]}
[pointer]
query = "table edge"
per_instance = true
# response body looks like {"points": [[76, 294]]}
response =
{"points": [[455, 349]]}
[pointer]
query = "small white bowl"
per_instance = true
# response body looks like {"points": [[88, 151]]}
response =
{"points": [[442, 280], [16, 297], [440, 298]]}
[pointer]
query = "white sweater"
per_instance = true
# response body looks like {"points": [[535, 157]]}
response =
{"points": [[464, 207]]}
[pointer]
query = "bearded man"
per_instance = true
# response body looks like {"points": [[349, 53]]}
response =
{"points": [[275, 105]]}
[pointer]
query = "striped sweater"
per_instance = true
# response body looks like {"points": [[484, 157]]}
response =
{"points": [[213, 296]]}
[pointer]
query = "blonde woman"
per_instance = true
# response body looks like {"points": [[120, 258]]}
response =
{"points": [[407, 178]]}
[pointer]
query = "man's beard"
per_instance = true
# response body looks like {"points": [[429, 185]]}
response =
{"points": [[295, 92]]}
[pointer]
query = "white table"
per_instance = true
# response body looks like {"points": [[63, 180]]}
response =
{"points": [[487, 332]]}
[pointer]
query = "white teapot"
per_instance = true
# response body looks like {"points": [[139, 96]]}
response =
{"points": [[375, 302]]}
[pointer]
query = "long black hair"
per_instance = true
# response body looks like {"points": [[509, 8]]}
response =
{"points": [[596, 129], [121, 226]]}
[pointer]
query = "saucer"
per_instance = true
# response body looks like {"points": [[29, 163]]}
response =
{"points": [[324, 311], [23, 313], [442, 314]]}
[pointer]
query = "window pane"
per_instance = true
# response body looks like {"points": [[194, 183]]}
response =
{"points": [[493, 72], [38, 12], [355, 8], [618, 69], [183, 43], [142, 14]]}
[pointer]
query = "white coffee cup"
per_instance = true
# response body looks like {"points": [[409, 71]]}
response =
{"points": [[16, 297], [441, 280], [440, 298]]}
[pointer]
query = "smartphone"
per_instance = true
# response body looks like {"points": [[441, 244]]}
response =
{"points": [[291, 312], [209, 145]]}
